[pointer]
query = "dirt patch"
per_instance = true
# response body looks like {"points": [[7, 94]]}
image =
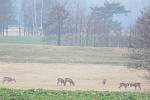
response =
{"points": [[86, 76]]}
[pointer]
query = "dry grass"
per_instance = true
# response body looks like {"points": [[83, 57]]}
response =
{"points": [[86, 76], [38, 66], [18, 53]]}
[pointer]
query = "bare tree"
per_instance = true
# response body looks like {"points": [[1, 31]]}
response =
{"points": [[57, 17], [6, 15]]}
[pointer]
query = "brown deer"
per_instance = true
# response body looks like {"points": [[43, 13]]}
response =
{"points": [[104, 81], [60, 81], [125, 85], [136, 85], [70, 81], [8, 80]]}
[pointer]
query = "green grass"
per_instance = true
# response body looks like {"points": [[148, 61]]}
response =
{"points": [[67, 40], [23, 39], [19, 53], [39, 94]]}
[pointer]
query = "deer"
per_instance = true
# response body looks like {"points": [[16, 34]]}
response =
{"points": [[8, 80], [70, 81], [104, 81], [125, 85], [60, 81], [136, 85]]}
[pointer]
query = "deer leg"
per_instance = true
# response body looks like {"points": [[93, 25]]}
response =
{"points": [[125, 87], [3, 81], [65, 83], [62, 83], [12, 81], [140, 87], [72, 84], [57, 83], [120, 87], [135, 87]]}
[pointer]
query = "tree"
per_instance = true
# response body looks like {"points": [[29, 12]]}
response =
{"points": [[28, 19], [5, 14], [35, 14], [140, 42], [75, 22], [102, 18], [57, 16]]}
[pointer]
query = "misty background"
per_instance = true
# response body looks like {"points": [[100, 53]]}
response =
{"points": [[98, 23], [135, 6]]}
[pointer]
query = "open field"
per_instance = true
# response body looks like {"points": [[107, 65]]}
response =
{"points": [[19, 53], [38, 66], [86, 76], [9, 94]]}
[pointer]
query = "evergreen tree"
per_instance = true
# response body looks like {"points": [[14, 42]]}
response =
{"points": [[102, 18], [140, 42]]}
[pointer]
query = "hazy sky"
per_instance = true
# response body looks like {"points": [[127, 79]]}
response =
{"points": [[135, 6]]}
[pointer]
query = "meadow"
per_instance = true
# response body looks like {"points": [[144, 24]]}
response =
{"points": [[30, 53], [68, 40], [37, 65]]}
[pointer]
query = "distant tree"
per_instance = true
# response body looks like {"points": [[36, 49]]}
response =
{"points": [[102, 18], [5, 14], [27, 14], [57, 16], [143, 29], [79, 22], [76, 21], [34, 15], [140, 42]]}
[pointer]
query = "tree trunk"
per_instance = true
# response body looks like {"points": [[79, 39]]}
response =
{"points": [[41, 26], [3, 33], [59, 35]]}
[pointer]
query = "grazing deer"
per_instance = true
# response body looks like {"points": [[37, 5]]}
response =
{"points": [[104, 81], [60, 81], [8, 80], [125, 85], [136, 85], [69, 80]]}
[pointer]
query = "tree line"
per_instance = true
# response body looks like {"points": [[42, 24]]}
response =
{"points": [[86, 25], [6, 15], [139, 42]]}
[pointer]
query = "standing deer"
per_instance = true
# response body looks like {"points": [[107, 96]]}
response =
{"points": [[125, 85], [60, 81], [8, 80], [104, 81], [136, 85], [70, 81]]}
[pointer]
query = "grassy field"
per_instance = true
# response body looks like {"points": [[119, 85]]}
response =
{"points": [[40, 65], [67, 40], [36, 66], [85, 76], [23, 40], [19, 53], [10, 94]]}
